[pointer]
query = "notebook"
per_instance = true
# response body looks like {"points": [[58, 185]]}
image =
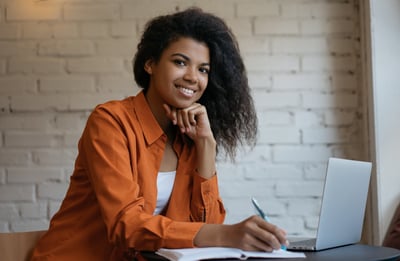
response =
{"points": [[343, 206], [204, 253]]}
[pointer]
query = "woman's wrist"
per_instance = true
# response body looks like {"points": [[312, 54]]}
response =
{"points": [[206, 154]]}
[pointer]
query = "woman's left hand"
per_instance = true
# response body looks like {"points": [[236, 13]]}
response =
{"points": [[193, 121]]}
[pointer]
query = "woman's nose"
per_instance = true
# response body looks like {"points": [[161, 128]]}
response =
{"points": [[191, 75]]}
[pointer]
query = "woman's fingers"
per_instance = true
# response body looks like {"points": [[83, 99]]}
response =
{"points": [[261, 235]]}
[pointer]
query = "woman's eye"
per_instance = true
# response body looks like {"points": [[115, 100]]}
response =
{"points": [[180, 62], [204, 70]]}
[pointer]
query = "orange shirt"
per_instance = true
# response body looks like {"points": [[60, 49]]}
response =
{"points": [[108, 208]]}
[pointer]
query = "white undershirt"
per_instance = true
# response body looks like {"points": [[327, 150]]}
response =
{"points": [[165, 183]]}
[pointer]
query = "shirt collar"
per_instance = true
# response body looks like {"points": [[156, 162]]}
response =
{"points": [[151, 129]]}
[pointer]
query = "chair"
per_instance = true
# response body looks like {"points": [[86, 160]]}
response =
{"points": [[392, 238], [18, 246]]}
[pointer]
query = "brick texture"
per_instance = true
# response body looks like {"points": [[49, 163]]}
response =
{"points": [[59, 60]]}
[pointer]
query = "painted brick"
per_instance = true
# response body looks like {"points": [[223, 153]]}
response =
{"points": [[70, 121], [259, 80], [115, 48], [319, 26], [66, 48], [342, 100], [276, 63], [240, 27], [294, 225], [12, 49], [344, 81], [312, 223], [8, 211], [328, 63], [30, 139], [276, 118], [300, 189], [4, 104], [93, 12], [275, 26], [67, 84], [123, 29], [339, 118], [25, 121], [29, 225], [89, 101], [9, 31], [14, 157], [2, 171], [290, 10], [36, 31], [52, 191], [255, 45], [325, 135], [257, 9], [33, 210], [54, 157], [17, 84], [17, 193], [241, 189], [258, 153], [65, 31], [36, 65], [94, 30], [120, 83], [54, 206], [34, 175], [95, 65], [276, 100], [279, 135], [145, 9], [300, 81], [39, 103], [305, 207], [268, 171], [308, 119], [292, 154], [299, 45], [70, 140], [315, 171], [331, 10], [2, 66], [341, 46], [28, 11]]}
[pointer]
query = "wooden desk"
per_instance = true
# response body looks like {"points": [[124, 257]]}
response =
{"points": [[355, 252]]}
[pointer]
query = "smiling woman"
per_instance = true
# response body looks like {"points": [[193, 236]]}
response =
{"points": [[145, 176]]}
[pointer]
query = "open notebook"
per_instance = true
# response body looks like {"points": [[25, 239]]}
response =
{"points": [[201, 253]]}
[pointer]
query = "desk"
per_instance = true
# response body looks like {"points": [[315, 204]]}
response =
{"points": [[355, 252]]}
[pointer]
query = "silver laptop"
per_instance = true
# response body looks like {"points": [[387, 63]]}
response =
{"points": [[343, 206]]}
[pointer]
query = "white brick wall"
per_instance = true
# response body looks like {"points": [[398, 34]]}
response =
{"points": [[60, 59]]}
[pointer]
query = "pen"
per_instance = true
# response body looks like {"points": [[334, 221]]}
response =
{"points": [[262, 214]]}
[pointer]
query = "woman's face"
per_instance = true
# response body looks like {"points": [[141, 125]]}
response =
{"points": [[180, 77]]}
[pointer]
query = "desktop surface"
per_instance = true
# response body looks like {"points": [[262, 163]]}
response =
{"points": [[357, 252]]}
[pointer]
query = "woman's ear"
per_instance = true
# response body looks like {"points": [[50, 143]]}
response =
{"points": [[148, 66]]}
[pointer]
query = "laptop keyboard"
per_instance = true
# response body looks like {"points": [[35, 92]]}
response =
{"points": [[308, 242]]}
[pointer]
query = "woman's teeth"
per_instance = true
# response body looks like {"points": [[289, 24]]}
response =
{"points": [[187, 91]]}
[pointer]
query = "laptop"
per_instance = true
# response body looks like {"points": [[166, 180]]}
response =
{"points": [[343, 206]]}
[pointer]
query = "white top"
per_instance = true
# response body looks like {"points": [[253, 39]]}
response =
{"points": [[165, 183]]}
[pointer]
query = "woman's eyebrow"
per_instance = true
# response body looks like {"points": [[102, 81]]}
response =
{"points": [[187, 58]]}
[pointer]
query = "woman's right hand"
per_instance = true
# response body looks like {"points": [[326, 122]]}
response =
{"points": [[252, 234]]}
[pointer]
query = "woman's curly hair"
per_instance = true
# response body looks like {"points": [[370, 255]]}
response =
{"points": [[227, 97]]}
